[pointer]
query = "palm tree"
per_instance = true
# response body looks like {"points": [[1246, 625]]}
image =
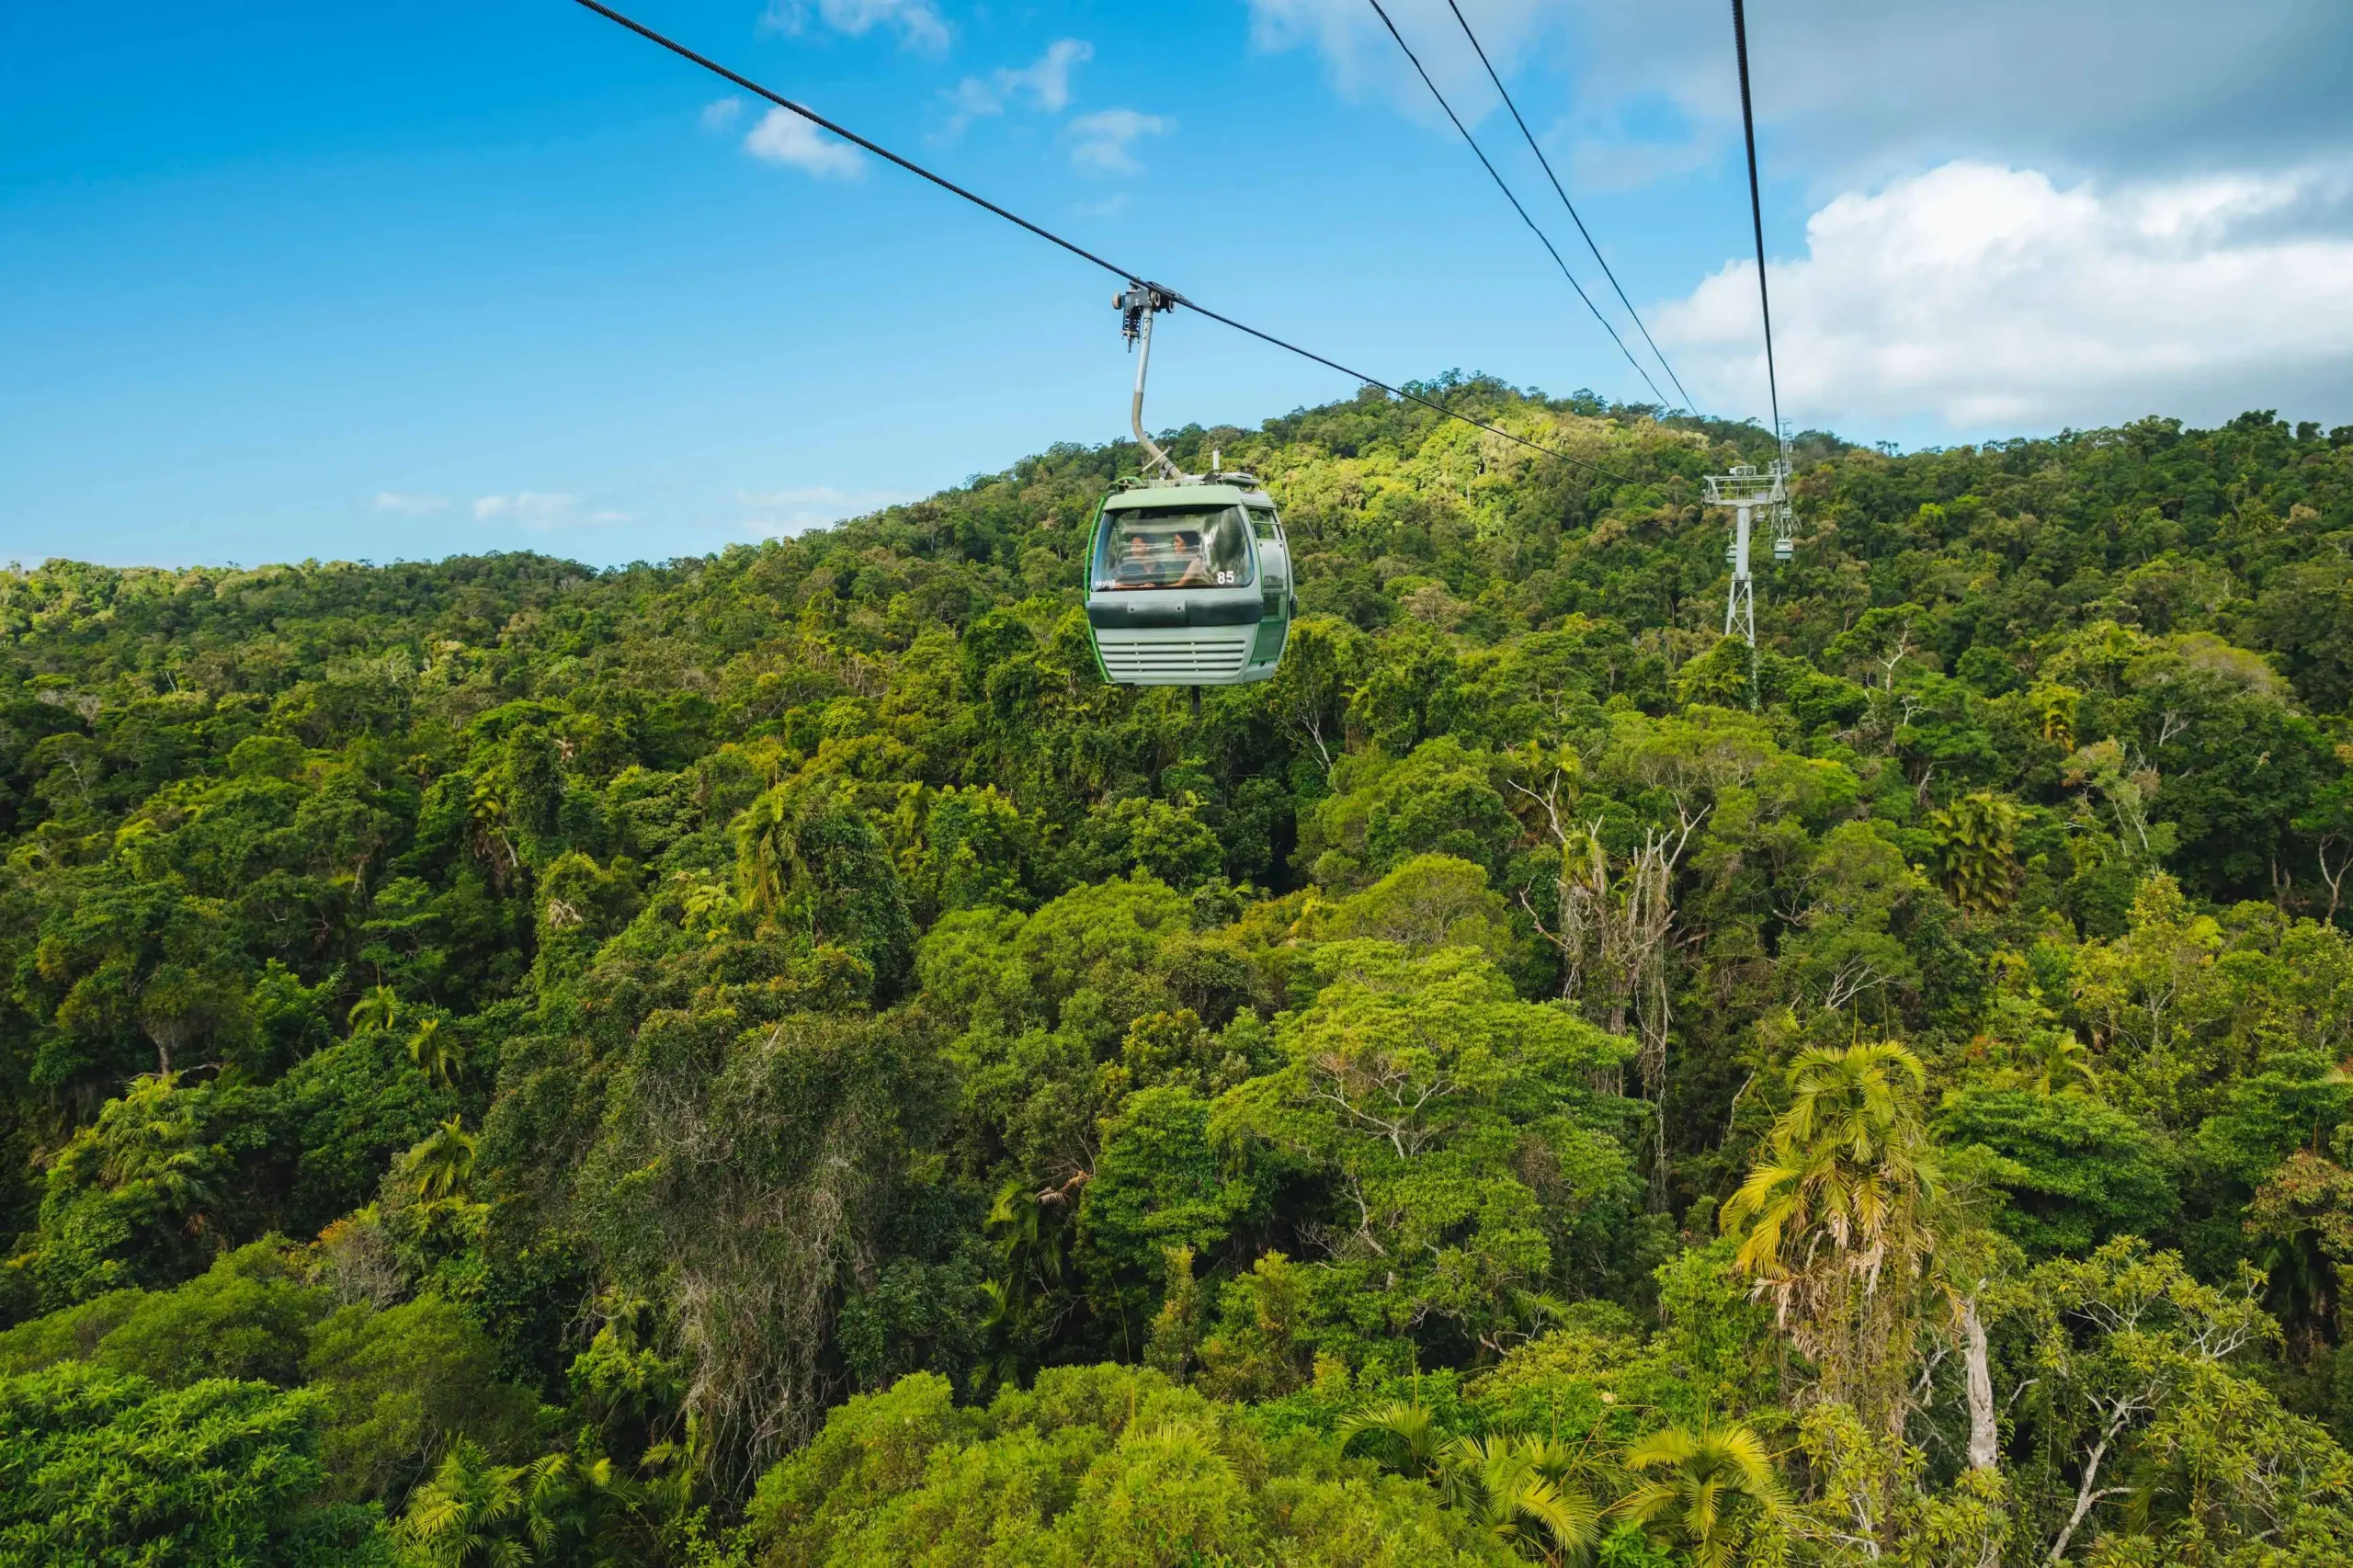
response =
{"points": [[1402, 1433], [462, 1518], [487, 820], [433, 1054], [378, 1008], [2054, 1060], [1840, 1206], [768, 853], [1516, 1488], [440, 1165], [1026, 1245], [587, 1504], [1849, 1157], [2054, 710], [156, 1149], [1977, 843], [1029, 1253], [1711, 1492]]}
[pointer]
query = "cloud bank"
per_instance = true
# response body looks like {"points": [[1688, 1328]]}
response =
{"points": [[1996, 299], [1859, 91]]}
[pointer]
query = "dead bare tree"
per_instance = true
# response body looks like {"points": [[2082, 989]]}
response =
{"points": [[2334, 873], [1614, 921]]}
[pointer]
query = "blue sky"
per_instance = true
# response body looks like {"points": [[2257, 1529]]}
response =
{"points": [[282, 281]]}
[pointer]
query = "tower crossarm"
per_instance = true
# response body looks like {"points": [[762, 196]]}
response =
{"points": [[1747, 484]]}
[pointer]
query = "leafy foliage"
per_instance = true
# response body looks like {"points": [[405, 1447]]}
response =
{"points": [[766, 1058]]}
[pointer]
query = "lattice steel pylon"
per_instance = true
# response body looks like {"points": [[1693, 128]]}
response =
{"points": [[1753, 496], [1751, 493]]}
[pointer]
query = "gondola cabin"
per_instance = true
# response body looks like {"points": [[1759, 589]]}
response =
{"points": [[1190, 584]]}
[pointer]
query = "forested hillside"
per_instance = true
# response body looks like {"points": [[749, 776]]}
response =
{"points": [[767, 1060]]}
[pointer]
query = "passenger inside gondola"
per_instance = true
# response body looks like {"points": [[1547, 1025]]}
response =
{"points": [[1191, 570], [1188, 549]]}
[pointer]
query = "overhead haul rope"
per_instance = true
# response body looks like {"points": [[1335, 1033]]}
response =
{"points": [[1542, 236], [1756, 217], [1135, 279], [1558, 190]]}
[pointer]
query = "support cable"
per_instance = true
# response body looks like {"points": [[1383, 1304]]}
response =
{"points": [[1135, 279], [1756, 219], [1563, 195], [1544, 239]]}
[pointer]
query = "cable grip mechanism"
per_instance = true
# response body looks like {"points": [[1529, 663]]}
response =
{"points": [[1133, 302], [1137, 305]]}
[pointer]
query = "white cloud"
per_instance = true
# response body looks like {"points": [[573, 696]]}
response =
{"points": [[413, 506], [2070, 85], [532, 508], [1044, 83], [1101, 140], [1993, 300], [721, 114], [917, 22], [783, 137], [1635, 90], [773, 513]]}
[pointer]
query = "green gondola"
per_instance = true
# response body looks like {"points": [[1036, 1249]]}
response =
{"points": [[1188, 576], [1190, 584]]}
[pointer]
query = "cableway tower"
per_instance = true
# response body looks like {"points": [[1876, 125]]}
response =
{"points": [[1757, 498]]}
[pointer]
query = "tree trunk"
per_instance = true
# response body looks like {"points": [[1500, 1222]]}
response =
{"points": [[1984, 1439], [2084, 1495]]}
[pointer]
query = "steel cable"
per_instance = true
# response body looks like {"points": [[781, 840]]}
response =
{"points": [[1137, 279]]}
